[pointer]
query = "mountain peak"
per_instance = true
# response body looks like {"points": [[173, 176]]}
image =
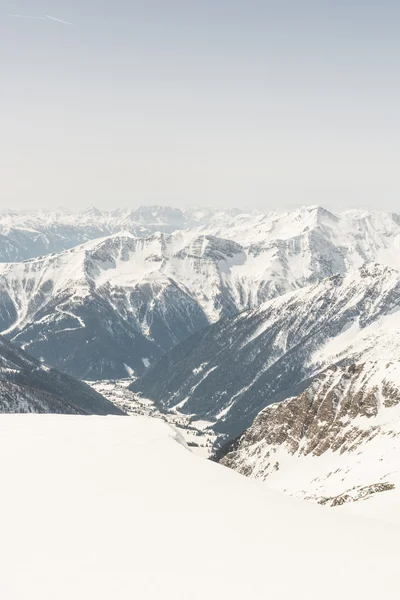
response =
{"points": [[318, 213]]}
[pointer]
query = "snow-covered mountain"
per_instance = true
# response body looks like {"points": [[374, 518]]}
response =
{"points": [[230, 371], [114, 305], [100, 508], [27, 385], [302, 245], [337, 442]]}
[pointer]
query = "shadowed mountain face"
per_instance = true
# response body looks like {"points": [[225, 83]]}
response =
{"points": [[230, 371], [27, 385]]}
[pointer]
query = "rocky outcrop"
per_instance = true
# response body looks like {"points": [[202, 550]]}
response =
{"points": [[357, 493], [327, 431], [321, 417]]}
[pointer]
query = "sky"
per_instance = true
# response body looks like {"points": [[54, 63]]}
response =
{"points": [[265, 104]]}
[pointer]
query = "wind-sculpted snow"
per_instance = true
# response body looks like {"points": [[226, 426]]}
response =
{"points": [[230, 371], [101, 508], [27, 385]]}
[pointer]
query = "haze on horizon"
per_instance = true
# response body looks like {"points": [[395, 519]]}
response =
{"points": [[259, 104]]}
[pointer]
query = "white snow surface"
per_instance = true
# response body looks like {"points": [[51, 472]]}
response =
{"points": [[115, 507]]}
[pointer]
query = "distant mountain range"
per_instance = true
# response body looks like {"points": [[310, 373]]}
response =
{"points": [[29, 234]]}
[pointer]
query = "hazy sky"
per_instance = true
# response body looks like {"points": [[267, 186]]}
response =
{"points": [[251, 103]]}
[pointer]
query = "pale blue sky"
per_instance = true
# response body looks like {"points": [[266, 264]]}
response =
{"points": [[233, 103]]}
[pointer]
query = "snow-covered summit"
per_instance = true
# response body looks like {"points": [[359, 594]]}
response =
{"points": [[31, 233]]}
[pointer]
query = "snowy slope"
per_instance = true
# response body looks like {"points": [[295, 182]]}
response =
{"points": [[336, 443], [230, 371], [27, 385], [151, 521]]}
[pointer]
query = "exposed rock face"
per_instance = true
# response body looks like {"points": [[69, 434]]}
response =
{"points": [[327, 431], [318, 419]]}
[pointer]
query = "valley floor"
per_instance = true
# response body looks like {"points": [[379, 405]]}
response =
{"points": [[118, 507], [197, 434]]}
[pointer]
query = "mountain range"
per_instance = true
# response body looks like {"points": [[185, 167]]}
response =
{"points": [[28, 234], [27, 385], [113, 306]]}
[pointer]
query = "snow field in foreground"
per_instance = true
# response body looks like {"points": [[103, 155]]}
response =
{"points": [[117, 507]]}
